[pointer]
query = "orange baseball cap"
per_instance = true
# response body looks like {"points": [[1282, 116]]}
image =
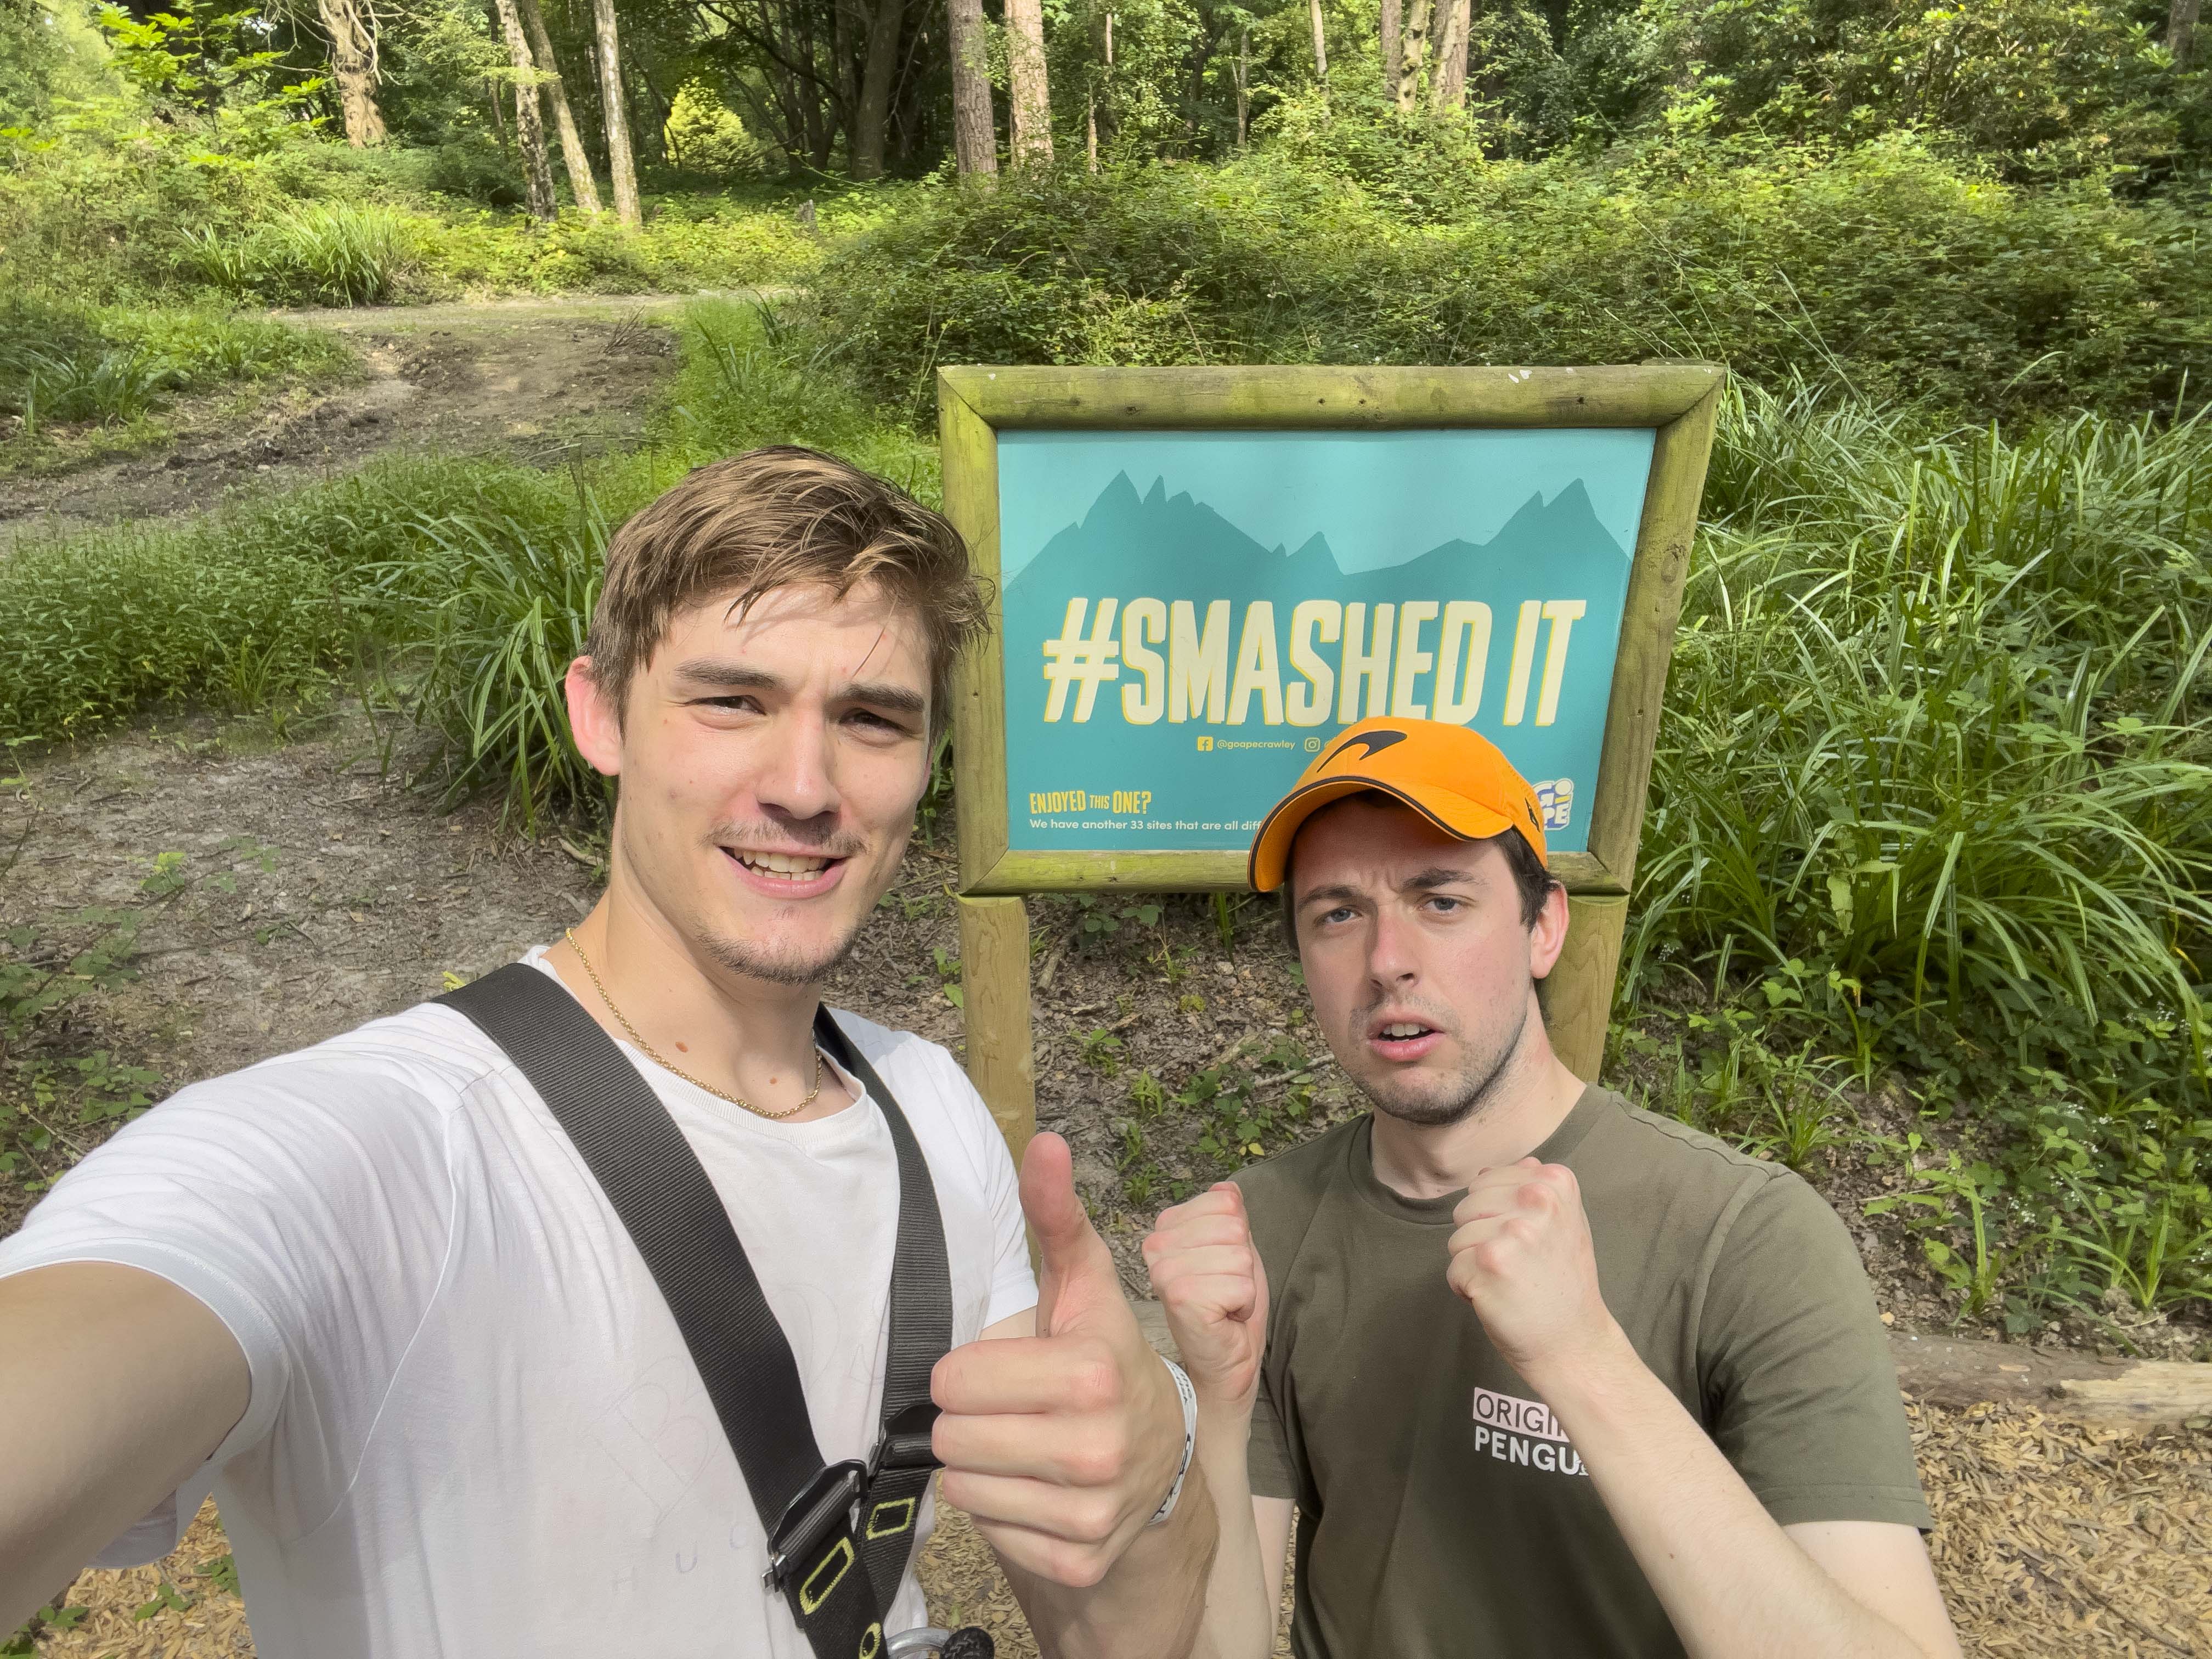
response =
{"points": [[1455, 778]]}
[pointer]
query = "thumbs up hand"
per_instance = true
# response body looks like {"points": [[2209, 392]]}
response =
{"points": [[1213, 1290], [1061, 1445]]}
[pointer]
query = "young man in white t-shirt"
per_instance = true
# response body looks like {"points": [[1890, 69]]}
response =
{"points": [[370, 1295]]}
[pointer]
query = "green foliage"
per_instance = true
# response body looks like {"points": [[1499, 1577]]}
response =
{"points": [[223, 1574], [96, 628], [24, 1644], [48, 56], [496, 602], [704, 136], [2043, 88], [334, 253], [1882, 269], [464, 587], [200, 59], [1934, 796], [62, 362]]}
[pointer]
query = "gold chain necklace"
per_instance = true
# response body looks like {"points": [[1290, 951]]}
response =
{"points": [[696, 1083]]}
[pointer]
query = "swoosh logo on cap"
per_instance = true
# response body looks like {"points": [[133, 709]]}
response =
{"points": [[1370, 742]]}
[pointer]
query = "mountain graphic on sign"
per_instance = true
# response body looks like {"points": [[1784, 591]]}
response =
{"points": [[1176, 547]]}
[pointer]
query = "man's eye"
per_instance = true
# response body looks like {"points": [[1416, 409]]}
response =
{"points": [[1342, 913], [875, 722], [738, 704], [1442, 902]]}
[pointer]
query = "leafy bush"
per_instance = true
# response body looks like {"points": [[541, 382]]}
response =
{"points": [[116, 384], [2043, 88], [1933, 789], [1883, 270], [703, 136]]}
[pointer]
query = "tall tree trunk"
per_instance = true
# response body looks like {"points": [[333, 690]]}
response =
{"points": [[654, 109], [975, 133], [844, 57], [1393, 14], [1321, 42], [872, 116], [2181, 31], [1447, 84], [616, 119], [353, 66], [1413, 51], [529, 129], [1112, 110], [1029, 98], [1243, 83], [581, 184]]}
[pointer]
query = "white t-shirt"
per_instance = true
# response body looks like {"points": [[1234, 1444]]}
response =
{"points": [[474, 1428]]}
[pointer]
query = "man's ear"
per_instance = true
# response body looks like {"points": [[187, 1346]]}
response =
{"points": [[594, 720], [1549, 936]]}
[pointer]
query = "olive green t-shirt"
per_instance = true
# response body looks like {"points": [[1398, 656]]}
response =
{"points": [[1442, 1510]]}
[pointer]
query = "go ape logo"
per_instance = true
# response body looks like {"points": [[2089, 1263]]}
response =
{"points": [[1379, 667]]}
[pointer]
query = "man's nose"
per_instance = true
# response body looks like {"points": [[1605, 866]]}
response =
{"points": [[797, 776], [1391, 960]]}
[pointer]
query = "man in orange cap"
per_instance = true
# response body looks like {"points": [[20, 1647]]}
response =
{"points": [[1542, 1374]]}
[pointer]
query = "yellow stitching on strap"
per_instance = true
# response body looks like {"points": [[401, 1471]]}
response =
{"points": [[872, 1641], [904, 1505], [841, 1556]]}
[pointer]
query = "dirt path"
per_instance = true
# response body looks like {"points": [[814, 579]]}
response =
{"points": [[541, 380]]}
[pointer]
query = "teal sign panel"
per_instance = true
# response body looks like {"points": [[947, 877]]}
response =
{"points": [[1189, 616]]}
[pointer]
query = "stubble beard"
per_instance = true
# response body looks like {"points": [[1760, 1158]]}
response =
{"points": [[782, 964], [786, 966], [1477, 1084]]}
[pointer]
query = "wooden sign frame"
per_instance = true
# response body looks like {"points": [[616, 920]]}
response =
{"points": [[1675, 401]]}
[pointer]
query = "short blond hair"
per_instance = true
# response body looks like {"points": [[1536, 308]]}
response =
{"points": [[780, 517]]}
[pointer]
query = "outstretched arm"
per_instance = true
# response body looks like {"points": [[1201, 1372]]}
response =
{"points": [[114, 1386], [1734, 1581]]}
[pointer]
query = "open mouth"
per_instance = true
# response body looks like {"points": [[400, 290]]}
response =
{"points": [[795, 873], [1402, 1039]]}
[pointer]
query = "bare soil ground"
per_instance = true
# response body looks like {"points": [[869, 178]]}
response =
{"points": [[540, 381]]}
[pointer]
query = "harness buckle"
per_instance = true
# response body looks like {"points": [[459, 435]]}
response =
{"points": [[905, 1441], [825, 1505]]}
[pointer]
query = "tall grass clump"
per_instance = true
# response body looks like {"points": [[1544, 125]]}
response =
{"points": [[335, 253], [67, 363], [1933, 789]]}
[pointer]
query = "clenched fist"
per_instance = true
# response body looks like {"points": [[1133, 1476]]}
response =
{"points": [[1208, 1277], [1522, 1256]]}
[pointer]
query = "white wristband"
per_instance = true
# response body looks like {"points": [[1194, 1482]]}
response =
{"points": [[1189, 1438]]}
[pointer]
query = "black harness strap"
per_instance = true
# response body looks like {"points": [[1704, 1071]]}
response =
{"points": [[822, 1522]]}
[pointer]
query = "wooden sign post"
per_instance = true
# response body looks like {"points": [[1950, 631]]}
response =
{"points": [[1200, 574]]}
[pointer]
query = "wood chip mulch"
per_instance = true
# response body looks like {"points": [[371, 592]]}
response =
{"points": [[2053, 1539]]}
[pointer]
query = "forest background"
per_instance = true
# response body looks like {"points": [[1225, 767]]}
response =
{"points": [[1925, 904]]}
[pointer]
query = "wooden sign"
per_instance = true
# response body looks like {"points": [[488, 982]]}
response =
{"points": [[1201, 574]]}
